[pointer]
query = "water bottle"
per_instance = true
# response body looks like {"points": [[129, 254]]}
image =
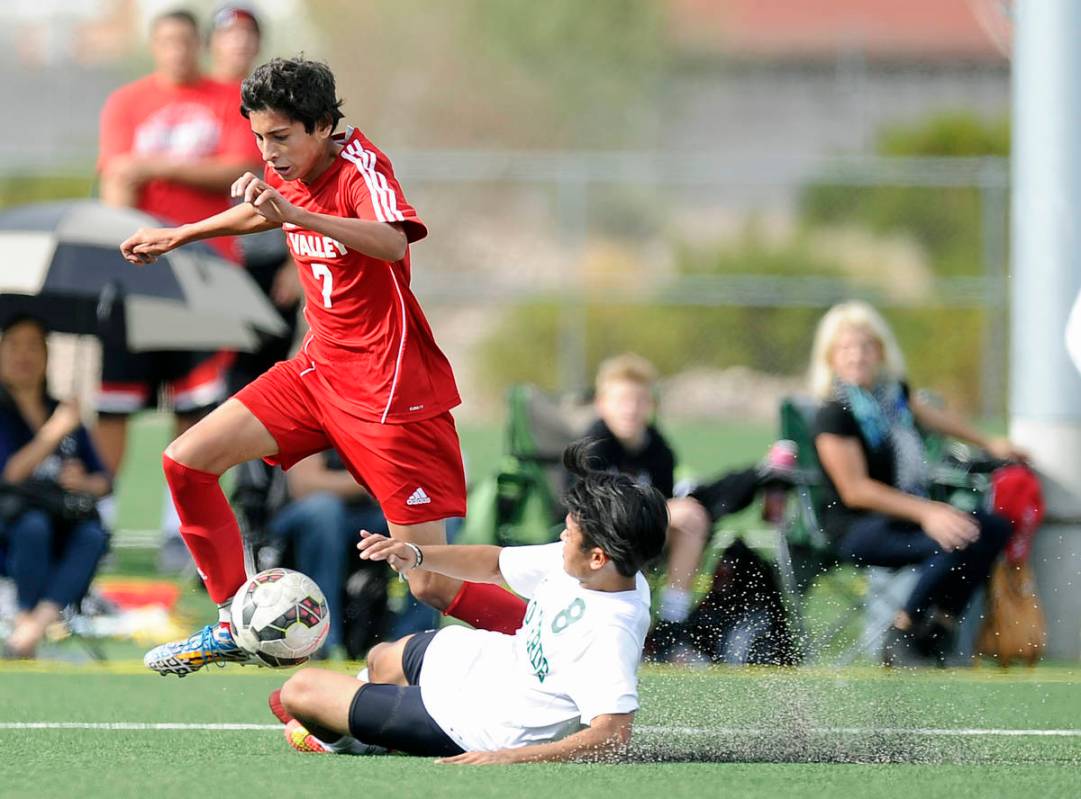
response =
{"points": [[782, 457]]}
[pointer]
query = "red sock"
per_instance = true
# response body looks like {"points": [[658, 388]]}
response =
{"points": [[487, 607], [208, 527]]}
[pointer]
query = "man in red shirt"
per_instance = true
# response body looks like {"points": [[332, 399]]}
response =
{"points": [[171, 144], [369, 379]]}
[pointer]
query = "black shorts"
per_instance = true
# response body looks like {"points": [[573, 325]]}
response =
{"points": [[394, 716], [193, 381]]}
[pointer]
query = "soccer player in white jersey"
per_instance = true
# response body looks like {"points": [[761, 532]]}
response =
{"points": [[563, 687]]}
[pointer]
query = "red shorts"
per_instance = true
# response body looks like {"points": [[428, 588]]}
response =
{"points": [[414, 470]]}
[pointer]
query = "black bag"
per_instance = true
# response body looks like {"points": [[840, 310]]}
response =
{"points": [[365, 616], [742, 619], [62, 505]]}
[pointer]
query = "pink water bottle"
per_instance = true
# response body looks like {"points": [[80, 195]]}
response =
{"points": [[781, 458]]}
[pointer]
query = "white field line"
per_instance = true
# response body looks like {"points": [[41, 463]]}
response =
{"points": [[968, 732], [129, 725]]}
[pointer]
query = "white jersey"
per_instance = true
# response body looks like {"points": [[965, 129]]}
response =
{"points": [[574, 658]]}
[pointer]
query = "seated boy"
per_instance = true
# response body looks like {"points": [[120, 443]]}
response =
{"points": [[626, 441], [563, 687]]}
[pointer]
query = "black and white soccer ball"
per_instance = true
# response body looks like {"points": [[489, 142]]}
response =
{"points": [[280, 616]]}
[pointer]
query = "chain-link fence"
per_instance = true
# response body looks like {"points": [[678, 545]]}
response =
{"points": [[539, 265]]}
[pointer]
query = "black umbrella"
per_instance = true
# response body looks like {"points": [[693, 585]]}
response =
{"points": [[61, 262]]}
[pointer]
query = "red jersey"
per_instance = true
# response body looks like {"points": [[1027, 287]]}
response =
{"points": [[195, 121], [370, 345]]}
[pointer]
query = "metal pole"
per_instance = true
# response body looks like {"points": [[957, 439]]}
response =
{"points": [[1045, 389], [993, 229]]}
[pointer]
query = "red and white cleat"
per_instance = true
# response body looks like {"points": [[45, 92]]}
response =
{"points": [[274, 701], [303, 741]]}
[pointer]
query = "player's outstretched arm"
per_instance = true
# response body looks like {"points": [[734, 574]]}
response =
{"points": [[383, 240], [605, 739], [147, 244], [477, 563]]}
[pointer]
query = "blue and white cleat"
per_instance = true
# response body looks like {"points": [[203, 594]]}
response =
{"points": [[212, 644]]}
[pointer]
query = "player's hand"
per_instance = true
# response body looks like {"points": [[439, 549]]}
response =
{"points": [[147, 244], [498, 757], [374, 546], [950, 528], [267, 202]]}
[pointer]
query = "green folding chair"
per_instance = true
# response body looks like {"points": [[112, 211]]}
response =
{"points": [[519, 504], [812, 577]]}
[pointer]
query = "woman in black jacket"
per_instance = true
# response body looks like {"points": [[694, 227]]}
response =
{"points": [[878, 512]]}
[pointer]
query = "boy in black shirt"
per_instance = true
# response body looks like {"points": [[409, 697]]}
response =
{"points": [[627, 441]]}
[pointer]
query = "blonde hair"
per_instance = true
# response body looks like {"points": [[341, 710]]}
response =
{"points": [[858, 314], [626, 367]]}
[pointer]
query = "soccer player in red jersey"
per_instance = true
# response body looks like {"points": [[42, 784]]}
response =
{"points": [[368, 380]]}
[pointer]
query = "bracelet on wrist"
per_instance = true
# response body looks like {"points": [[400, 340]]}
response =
{"points": [[417, 554]]}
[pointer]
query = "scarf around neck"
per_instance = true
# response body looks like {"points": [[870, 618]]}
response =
{"points": [[884, 417]]}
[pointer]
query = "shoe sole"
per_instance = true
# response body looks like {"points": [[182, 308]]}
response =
{"points": [[274, 702], [303, 741], [173, 666], [182, 665]]}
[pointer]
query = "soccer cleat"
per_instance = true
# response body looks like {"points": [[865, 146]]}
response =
{"points": [[277, 708], [298, 737], [212, 644]]}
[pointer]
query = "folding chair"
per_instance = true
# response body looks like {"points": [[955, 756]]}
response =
{"points": [[77, 617], [806, 560], [520, 504]]}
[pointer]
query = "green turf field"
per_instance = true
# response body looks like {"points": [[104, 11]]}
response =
{"points": [[90, 730], [732, 733]]}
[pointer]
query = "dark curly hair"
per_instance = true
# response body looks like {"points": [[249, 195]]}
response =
{"points": [[626, 520], [300, 89]]}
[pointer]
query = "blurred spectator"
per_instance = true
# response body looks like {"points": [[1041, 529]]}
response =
{"points": [[51, 539], [322, 522], [171, 144], [233, 44], [877, 508], [627, 441]]}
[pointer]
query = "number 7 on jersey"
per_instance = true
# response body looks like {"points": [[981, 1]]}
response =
{"points": [[321, 272]]}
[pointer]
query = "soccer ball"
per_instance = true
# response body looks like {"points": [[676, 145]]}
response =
{"points": [[280, 616]]}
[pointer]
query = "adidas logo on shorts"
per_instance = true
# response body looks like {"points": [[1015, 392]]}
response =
{"points": [[418, 497]]}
